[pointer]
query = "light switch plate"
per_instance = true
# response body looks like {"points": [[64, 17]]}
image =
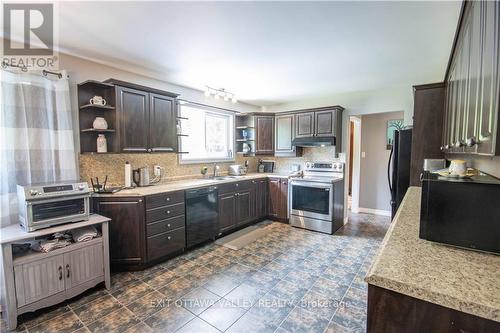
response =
{"points": [[363, 154]]}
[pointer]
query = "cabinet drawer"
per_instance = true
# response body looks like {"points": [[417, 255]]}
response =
{"points": [[165, 225], [166, 243], [162, 199], [235, 186], [164, 212]]}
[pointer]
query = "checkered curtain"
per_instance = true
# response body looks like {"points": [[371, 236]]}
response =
{"points": [[36, 135]]}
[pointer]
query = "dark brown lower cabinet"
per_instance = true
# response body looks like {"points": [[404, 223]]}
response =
{"points": [[143, 230], [227, 212], [127, 237], [389, 311], [245, 206], [278, 198], [261, 198]]}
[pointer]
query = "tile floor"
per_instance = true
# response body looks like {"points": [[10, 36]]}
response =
{"points": [[291, 280]]}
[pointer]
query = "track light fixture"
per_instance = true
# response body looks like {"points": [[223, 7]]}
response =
{"points": [[220, 93]]}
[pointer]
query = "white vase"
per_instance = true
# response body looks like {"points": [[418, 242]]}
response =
{"points": [[100, 123], [102, 146]]}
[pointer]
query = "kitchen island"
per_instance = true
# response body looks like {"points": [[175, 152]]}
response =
{"points": [[418, 285]]}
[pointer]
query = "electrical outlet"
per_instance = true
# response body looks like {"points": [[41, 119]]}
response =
{"points": [[157, 170]]}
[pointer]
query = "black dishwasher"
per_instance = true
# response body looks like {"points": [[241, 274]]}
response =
{"points": [[201, 215]]}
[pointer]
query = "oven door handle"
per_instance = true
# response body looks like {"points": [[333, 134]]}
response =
{"points": [[312, 184]]}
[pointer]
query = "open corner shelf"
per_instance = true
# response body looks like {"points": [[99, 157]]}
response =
{"points": [[96, 130], [97, 106]]}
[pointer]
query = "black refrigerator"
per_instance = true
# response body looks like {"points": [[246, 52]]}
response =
{"points": [[398, 168]]}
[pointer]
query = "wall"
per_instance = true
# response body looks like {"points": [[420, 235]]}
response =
{"points": [[374, 190], [398, 98], [112, 165], [80, 70], [486, 164]]}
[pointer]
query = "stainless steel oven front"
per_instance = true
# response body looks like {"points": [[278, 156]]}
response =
{"points": [[45, 206], [311, 199]]}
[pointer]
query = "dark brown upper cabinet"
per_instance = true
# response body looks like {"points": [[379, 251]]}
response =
{"points": [[284, 132], [133, 112], [471, 118], [325, 123], [162, 123], [318, 123], [304, 124], [264, 135], [147, 119]]}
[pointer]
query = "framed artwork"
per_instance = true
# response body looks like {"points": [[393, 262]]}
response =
{"points": [[393, 125]]}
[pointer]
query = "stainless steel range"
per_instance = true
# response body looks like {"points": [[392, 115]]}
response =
{"points": [[316, 200]]}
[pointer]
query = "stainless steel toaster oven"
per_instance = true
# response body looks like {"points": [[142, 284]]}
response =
{"points": [[45, 205]]}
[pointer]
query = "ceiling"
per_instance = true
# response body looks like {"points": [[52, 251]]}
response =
{"points": [[268, 52]]}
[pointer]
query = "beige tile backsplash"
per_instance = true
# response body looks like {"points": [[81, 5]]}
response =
{"points": [[112, 165]]}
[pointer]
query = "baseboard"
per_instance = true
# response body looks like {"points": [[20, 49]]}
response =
{"points": [[374, 211]]}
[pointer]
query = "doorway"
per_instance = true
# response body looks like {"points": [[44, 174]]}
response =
{"points": [[354, 150]]}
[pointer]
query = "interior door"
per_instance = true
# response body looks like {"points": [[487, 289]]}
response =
{"points": [[133, 111], [304, 124], [162, 123], [39, 279], [83, 265], [325, 123]]}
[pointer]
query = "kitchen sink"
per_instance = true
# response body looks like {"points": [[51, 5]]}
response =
{"points": [[225, 177]]}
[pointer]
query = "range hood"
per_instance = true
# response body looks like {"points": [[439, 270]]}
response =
{"points": [[314, 141]]}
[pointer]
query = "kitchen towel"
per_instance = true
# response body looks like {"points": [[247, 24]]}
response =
{"points": [[84, 234]]}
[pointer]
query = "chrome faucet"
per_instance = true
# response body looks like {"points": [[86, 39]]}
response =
{"points": [[216, 170]]}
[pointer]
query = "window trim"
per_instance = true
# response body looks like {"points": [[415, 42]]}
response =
{"points": [[216, 112]]}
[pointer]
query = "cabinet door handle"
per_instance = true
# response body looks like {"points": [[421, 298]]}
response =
{"points": [[169, 237], [168, 225], [237, 184], [60, 272], [168, 198], [168, 212], [67, 270]]}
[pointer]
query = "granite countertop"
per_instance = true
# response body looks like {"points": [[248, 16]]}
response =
{"points": [[185, 184], [460, 279]]}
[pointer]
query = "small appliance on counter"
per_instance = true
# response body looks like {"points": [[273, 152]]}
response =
{"points": [[237, 170], [45, 205], [433, 164], [141, 177], [462, 212], [266, 166]]}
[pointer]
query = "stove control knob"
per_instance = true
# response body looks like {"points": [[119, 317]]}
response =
{"points": [[308, 165], [81, 187], [34, 192]]}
